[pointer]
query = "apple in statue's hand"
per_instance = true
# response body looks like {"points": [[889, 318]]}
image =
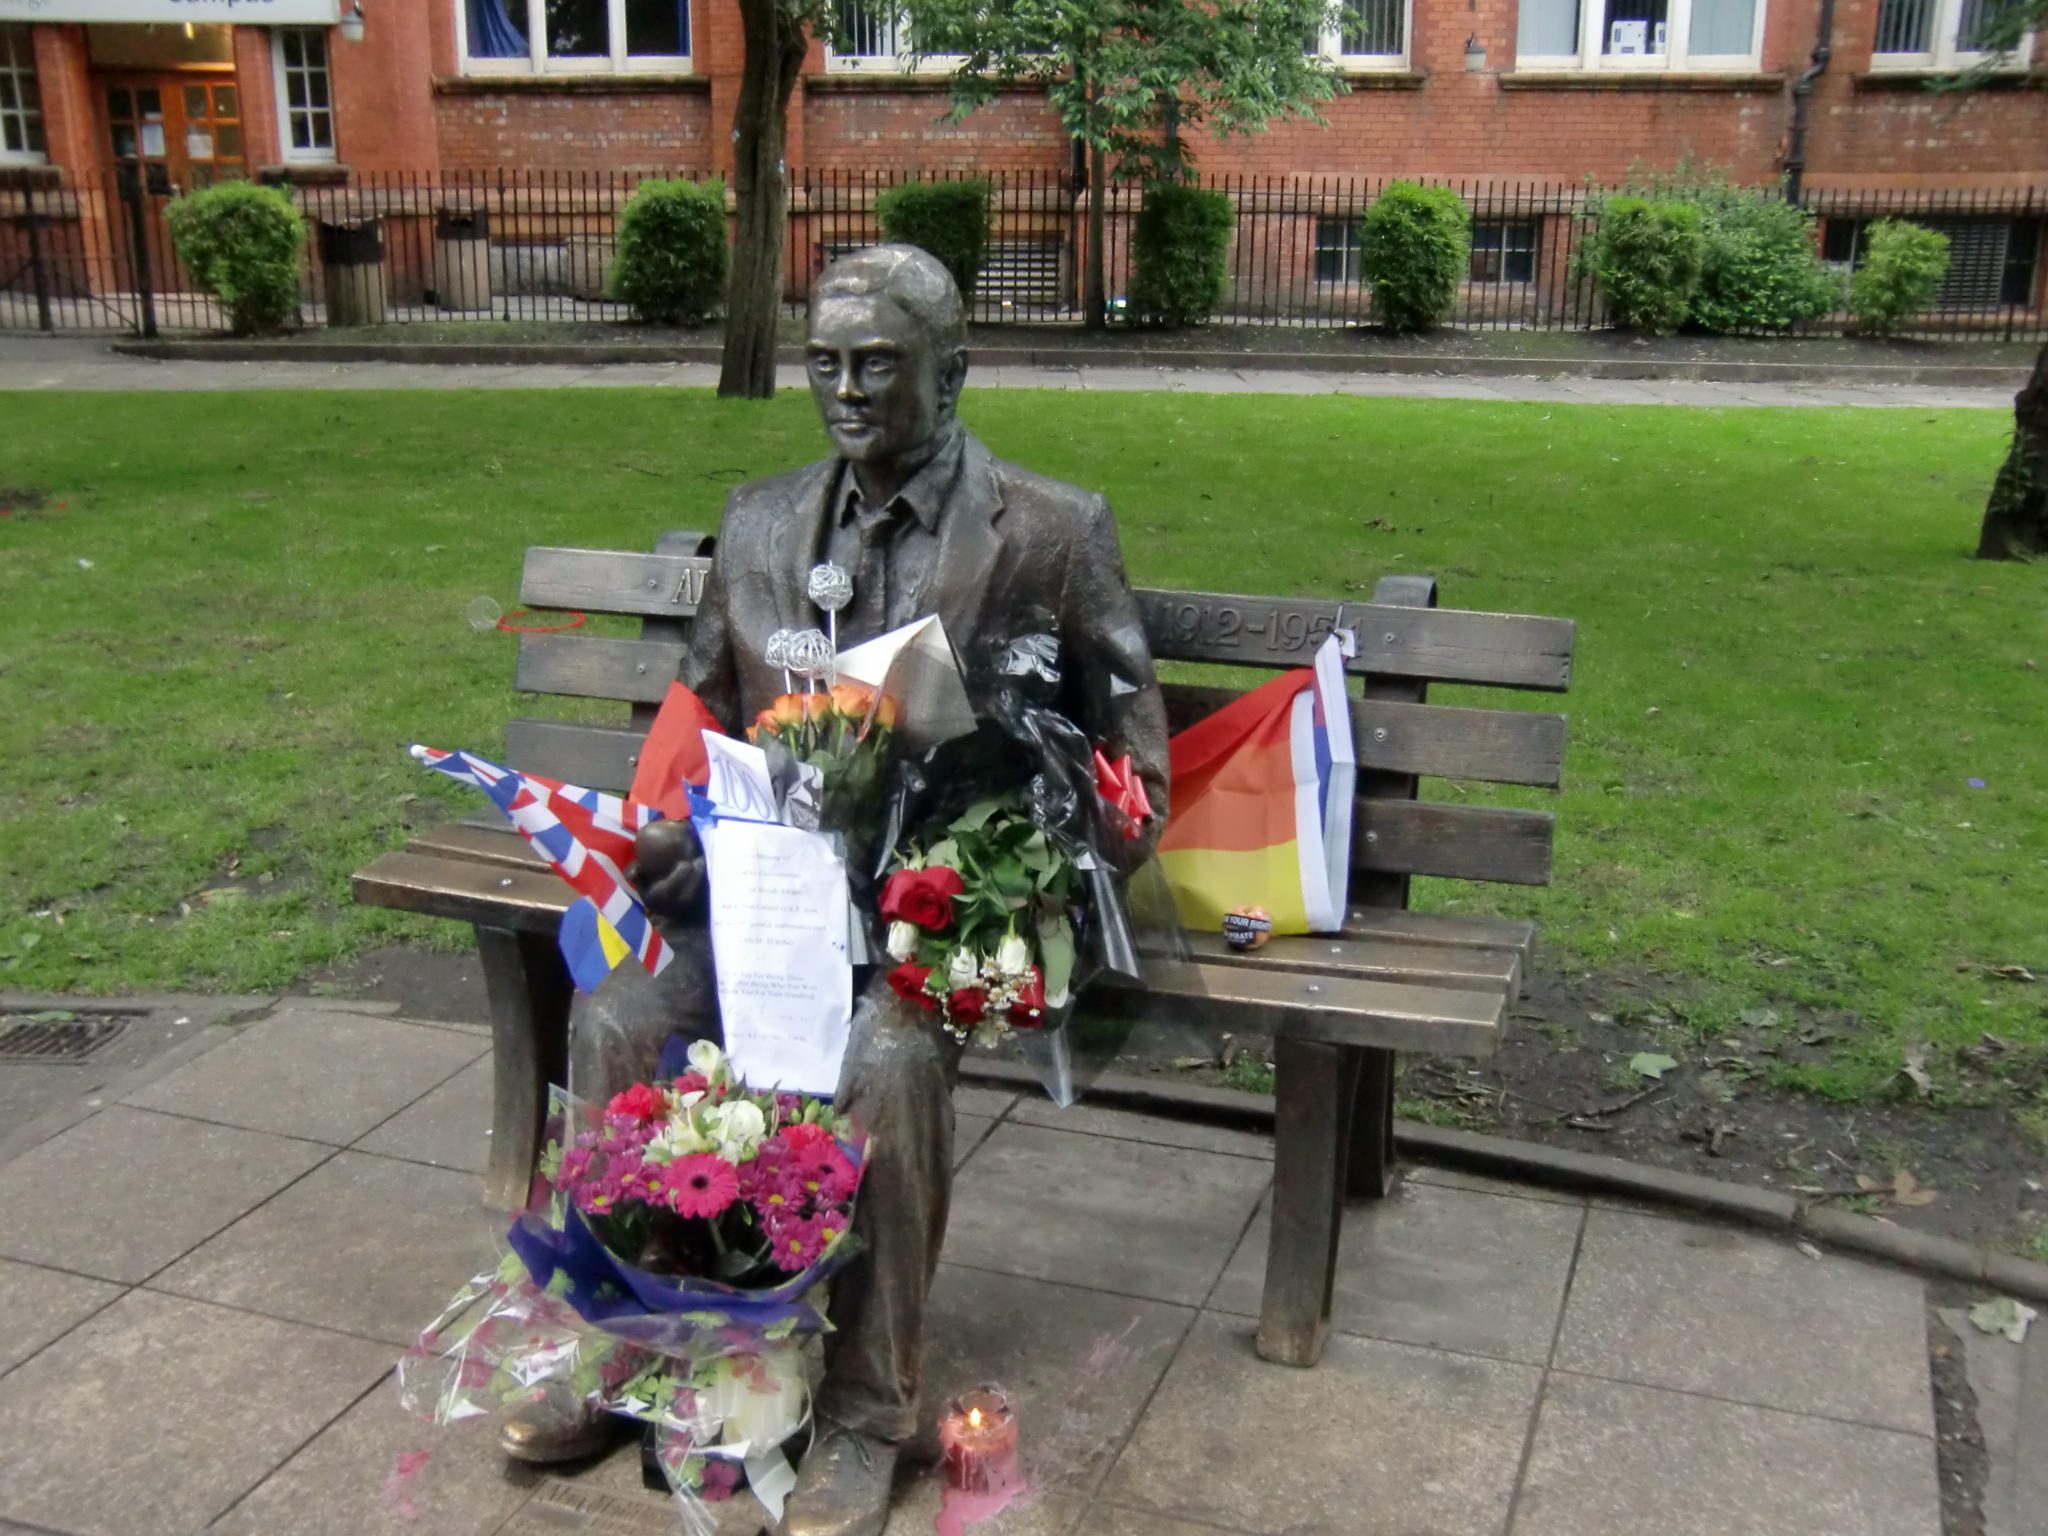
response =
{"points": [[668, 869]]}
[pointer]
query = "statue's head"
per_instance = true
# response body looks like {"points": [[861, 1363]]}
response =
{"points": [[887, 352]]}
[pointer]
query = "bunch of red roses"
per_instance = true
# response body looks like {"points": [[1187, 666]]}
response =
{"points": [[979, 922]]}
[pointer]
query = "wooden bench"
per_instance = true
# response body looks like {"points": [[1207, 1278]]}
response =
{"points": [[1338, 1007]]}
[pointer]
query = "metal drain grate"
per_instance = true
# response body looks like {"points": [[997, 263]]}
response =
{"points": [[57, 1041]]}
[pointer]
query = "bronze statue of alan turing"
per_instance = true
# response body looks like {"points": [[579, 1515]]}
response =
{"points": [[928, 521]]}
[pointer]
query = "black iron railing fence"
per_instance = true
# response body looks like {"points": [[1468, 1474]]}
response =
{"points": [[89, 255]]}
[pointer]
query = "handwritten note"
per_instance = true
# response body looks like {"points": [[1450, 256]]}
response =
{"points": [[779, 924]]}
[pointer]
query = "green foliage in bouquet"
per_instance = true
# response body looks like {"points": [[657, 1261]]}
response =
{"points": [[1417, 248], [843, 733], [1903, 265], [672, 251], [241, 244]]}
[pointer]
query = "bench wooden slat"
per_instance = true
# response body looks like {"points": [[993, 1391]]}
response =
{"points": [[1448, 929], [613, 581], [594, 756], [1341, 1010], [481, 843], [1494, 746], [493, 895], [593, 667], [1451, 645], [1469, 969], [1457, 842]]}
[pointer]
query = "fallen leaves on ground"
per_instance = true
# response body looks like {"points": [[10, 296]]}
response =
{"points": [[2004, 1315], [1904, 1189], [1651, 1064]]}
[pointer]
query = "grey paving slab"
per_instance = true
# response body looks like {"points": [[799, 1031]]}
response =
{"points": [[1734, 1314], [1276, 381], [1093, 377], [37, 1305], [969, 1131], [1018, 377], [1616, 1460], [1123, 1216], [1110, 1520], [122, 1194], [989, 1102], [2010, 1384], [1480, 1273], [365, 1244], [449, 1128], [160, 1412], [379, 1471], [1122, 1125], [325, 1076], [1081, 1366], [1457, 1178], [1379, 1439]]}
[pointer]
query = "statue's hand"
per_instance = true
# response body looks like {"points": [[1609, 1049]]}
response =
{"points": [[668, 869]]}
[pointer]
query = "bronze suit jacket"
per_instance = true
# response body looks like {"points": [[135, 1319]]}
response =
{"points": [[1013, 546]]}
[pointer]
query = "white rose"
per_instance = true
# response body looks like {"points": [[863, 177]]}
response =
{"points": [[1013, 955], [902, 940], [964, 969], [705, 1059], [738, 1128]]}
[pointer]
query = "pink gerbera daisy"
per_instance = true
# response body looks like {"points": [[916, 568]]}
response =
{"points": [[795, 1243], [701, 1184]]}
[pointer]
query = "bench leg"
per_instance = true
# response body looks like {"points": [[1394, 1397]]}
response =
{"points": [[1372, 1127], [530, 990], [1316, 1091]]}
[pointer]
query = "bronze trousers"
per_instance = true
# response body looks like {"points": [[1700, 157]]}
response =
{"points": [[897, 1086]]}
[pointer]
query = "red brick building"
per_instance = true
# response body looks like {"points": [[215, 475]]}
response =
{"points": [[1491, 92]]}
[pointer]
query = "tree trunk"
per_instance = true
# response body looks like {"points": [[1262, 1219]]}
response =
{"points": [[1095, 290], [760, 179], [2016, 517]]}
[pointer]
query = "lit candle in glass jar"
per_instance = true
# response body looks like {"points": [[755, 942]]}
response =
{"points": [[978, 1434]]}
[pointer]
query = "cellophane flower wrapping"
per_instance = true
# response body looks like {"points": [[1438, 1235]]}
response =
{"points": [[670, 1267]]}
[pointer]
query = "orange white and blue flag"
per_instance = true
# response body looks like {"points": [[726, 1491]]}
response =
{"points": [[1262, 794], [587, 836]]}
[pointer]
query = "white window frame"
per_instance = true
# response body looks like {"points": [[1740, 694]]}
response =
{"points": [[1331, 43], [1945, 57], [901, 60], [287, 152], [1676, 59], [28, 69], [537, 61]]}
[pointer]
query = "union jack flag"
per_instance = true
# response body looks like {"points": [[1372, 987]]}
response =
{"points": [[585, 834]]}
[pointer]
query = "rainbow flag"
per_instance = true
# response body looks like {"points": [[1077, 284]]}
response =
{"points": [[1262, 795], [587, 836]]}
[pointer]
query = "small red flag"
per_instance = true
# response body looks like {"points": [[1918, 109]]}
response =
{"points": [[673, 753]]}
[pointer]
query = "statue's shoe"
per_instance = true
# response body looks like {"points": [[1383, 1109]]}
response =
{"points": [[552, 1430], [843, 1487]]}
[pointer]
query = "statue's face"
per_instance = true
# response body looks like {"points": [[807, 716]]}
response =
{"points": [[882, 389]]}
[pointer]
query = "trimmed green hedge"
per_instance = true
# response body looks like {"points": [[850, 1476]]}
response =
{"points": [[672, 252], [1903, 265], [1180, 254], [1417, 248], [947, 218], [241, 244], [1646, 258]]}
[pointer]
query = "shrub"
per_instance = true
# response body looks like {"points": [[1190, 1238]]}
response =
{"points": [[672, 253], [1180, 254], [1902, 269], [1761, 266], [1646, 257], [241, 244], [947, 218], [1416, 248]]}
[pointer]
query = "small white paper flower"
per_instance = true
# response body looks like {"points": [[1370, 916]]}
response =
{"points": [[1013, 955], [902, 940]]}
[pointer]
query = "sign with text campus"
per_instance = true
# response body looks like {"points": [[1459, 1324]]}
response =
{"points": [[256, 13]]}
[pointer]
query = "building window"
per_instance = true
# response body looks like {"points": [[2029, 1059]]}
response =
{"points": [[1367, 34], [305, 100], [21, 104], [874, 39], [1936, 34], [1337, 251], [575, 36], [1504, 250], [1639, 34]]}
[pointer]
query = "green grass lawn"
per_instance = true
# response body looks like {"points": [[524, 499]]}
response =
{"points": [[233, 611]]}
